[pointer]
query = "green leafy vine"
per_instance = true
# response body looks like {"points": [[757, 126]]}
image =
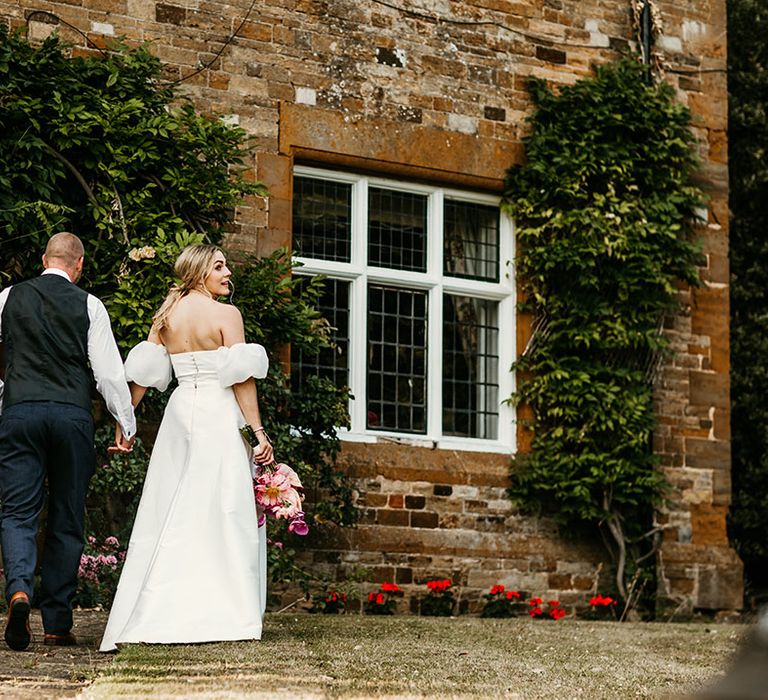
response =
{"points": [[603, 207]]}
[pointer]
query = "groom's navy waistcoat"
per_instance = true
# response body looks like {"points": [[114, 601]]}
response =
{"points": [[45, 334]]}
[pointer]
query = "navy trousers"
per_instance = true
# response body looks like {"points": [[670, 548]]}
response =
{"points": [[39, 441]]}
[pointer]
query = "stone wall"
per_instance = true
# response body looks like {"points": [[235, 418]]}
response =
{"points": [[435, 91]]}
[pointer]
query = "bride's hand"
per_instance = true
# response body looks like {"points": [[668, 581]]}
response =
{"points": [[122, 445], [263, 454]]}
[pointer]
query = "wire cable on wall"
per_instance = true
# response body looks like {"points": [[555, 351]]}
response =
{"points": [[434, 18], [203, 67]]}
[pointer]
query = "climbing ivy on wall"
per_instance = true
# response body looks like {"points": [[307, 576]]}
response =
{"points": [[603, 208]]}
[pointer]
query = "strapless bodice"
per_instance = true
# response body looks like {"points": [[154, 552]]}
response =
{"points": [[149, 364]]}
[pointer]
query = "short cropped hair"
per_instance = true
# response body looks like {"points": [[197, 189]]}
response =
{"points": [[65, 246]]}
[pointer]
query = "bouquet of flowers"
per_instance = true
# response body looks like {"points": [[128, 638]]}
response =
{"points": [[278, 491]]}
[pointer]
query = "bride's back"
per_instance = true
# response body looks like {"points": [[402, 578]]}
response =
{"points": [[195, 323]]}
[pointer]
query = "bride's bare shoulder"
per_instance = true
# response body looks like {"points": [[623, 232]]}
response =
{"points": [[230, 315], [228, 309]]}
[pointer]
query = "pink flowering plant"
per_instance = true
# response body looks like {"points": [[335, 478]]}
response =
{"points": [[439, 600], [500, 602], [551, 610], [383, 601], [99, 572]]}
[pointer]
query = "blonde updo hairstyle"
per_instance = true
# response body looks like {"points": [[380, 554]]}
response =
{"points": [[192, 267]]}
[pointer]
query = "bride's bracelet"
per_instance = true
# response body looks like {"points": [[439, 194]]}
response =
{"points": [[249, 434]]}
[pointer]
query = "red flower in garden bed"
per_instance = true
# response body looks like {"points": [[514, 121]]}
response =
{"points": [[332, 603], [439, 586], [554, 609], [382, 602], [601, 607], [502, 603], [439, 599], [601, 601]]}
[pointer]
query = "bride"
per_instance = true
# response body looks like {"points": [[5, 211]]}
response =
{"points": [[196, 564]]}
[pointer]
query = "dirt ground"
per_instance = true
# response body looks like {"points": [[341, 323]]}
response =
{"points": [[54, 672]]}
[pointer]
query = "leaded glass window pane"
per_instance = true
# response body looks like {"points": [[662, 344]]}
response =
{"points": [[333, 362], [397, 230], [471, 241], [322, 216], [470, 367], [397, 359]]}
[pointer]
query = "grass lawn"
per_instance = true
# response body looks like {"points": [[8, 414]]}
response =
{"points": [[354, 656]]}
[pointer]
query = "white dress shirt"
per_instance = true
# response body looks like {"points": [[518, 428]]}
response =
{"points": [[104, 357]]}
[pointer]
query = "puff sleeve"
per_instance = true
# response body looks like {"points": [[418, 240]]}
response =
{"points": [[239, 362], [149, 365]]}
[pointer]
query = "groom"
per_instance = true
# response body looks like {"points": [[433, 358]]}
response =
{"points": [[56, 339]]}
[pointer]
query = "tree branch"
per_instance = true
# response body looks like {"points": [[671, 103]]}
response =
{"points": [[614, 526], [74, 171]]}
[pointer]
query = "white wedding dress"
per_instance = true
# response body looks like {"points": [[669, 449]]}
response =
{"points": [[196, 564]]}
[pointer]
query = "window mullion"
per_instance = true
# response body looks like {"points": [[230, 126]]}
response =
{"points": [[507, 351], [435, 318], [359, 307], [507, 332], [435, 364]]}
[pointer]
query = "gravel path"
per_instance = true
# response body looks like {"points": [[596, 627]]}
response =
{"points": [[54, 672]]}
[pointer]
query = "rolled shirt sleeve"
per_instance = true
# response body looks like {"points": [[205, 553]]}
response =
{"points": [[107, 367]]}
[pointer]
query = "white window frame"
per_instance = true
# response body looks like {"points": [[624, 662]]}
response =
{"points": [[360, 274]]}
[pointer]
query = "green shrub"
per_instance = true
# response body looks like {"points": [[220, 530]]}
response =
{"points": [[748, 144]]}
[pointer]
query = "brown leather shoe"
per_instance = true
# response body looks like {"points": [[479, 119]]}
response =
{"points": [[17, 632], [60, 640]]}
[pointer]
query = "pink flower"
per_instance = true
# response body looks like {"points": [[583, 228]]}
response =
{"points": [[290, 474], [111, 542], [287, 512], [298, 526], [271, 489]]}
